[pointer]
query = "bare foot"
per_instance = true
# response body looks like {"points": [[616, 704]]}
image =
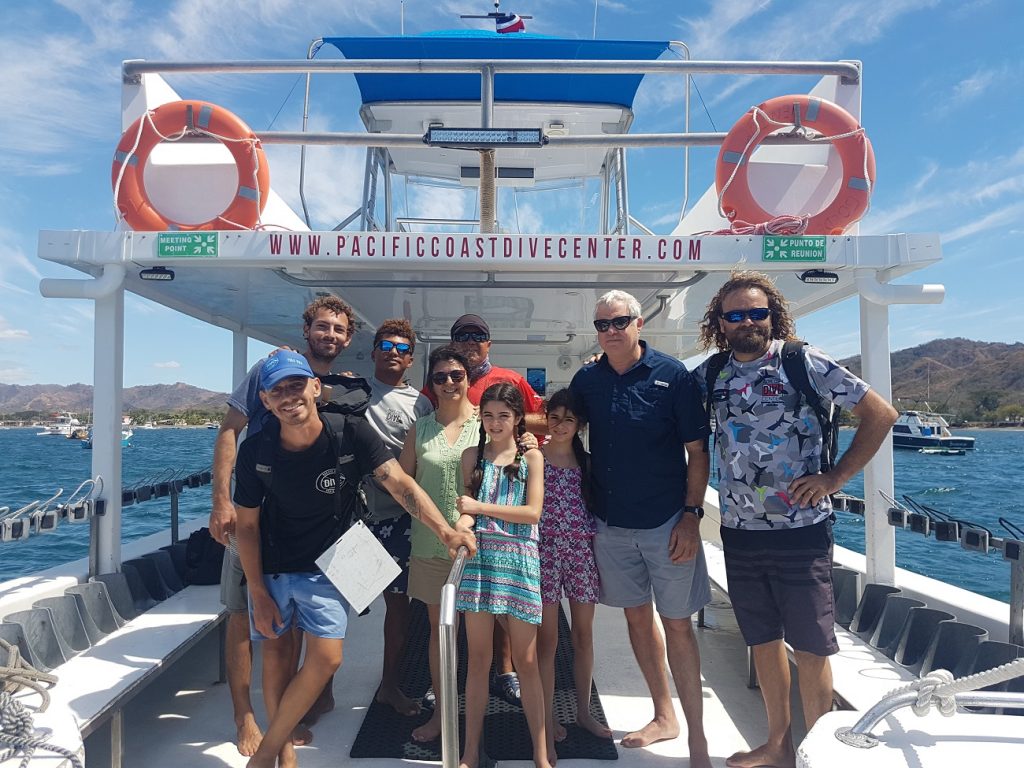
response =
{"points": [[249, 736], [302, 736], [767, 755], [656, 730], [560, 732], [324, 703], [589, 722], [429, 731], [699, 757], [286, 758], [465, 762], [398, 701]]}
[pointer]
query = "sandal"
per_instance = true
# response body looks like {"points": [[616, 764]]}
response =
{"points": [[506, 687]]}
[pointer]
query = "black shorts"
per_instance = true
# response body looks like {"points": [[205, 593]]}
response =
{"points": [[395, 535], [780, 586]]}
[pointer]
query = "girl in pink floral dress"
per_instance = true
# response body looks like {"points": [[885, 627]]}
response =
{"points": [[568, 568]]}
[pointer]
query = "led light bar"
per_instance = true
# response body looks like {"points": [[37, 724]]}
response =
{"points": [[818, 276], [483, 138]]}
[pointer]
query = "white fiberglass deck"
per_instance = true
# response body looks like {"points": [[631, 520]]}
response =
{"points": [[184, 720]]}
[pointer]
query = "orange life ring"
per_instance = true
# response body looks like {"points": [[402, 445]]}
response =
{"points": [[825, 118], [171, 120]]}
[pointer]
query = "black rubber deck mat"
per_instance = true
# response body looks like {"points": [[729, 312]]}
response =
{"points": [[385, 733]]}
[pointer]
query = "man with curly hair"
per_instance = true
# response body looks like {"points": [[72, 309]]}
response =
{"points": [[775, 497], [328, 326], [394, 407]]}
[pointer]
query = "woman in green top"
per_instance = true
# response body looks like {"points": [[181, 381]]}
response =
{"points": [[432, 454]]}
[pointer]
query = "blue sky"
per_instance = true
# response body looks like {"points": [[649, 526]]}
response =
{"points": [[942, 106]]}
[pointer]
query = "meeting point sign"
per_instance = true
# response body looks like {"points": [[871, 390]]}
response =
{"points": [[425, 247]]}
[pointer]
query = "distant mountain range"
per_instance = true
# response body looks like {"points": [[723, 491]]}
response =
{"points": [[77, 398], [960, 376]]}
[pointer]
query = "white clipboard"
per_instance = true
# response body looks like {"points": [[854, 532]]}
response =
{"points": [[359, 566]]}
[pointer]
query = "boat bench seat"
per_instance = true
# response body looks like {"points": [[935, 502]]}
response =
{"points": [[861, 674], [97, 683]]}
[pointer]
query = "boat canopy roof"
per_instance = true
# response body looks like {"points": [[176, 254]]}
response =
{"points": [[479, 44]]}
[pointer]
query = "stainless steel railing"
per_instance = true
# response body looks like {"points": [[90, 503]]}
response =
{"points": [[448, 696]]}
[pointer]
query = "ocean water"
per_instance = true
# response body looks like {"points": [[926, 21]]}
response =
{"points": [[36, 467], [981, 486]]}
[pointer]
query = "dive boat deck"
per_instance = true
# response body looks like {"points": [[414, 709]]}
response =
{"points": [[184, 719]]}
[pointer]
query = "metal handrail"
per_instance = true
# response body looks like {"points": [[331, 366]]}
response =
{"points": [[133, 68], [448, 635]]}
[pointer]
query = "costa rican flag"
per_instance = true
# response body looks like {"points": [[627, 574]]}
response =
{"points": [[511, 22]]}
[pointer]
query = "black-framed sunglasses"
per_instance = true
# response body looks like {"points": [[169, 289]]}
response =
{"points": [[757, 314], [619, 323], [477, 336], [440, 377], [401, 347]]}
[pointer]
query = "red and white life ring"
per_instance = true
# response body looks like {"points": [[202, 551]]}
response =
{"points": [[825, 118], [172, 121]]}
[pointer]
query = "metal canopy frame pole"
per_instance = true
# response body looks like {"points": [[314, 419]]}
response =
{"points": [[875, 298], [880, 537], [108, 375]]}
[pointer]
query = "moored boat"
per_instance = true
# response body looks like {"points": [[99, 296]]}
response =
{"points": [[926, 430], [62, 425]]}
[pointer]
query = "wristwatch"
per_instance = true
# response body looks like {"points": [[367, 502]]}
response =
{"points": [[698, 511]]}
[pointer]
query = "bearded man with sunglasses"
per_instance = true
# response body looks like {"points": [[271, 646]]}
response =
{"points": [[393, 409], [649, 472], [774, 496]]}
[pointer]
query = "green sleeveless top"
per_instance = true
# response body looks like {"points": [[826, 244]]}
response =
{"points": [[439, 473]]}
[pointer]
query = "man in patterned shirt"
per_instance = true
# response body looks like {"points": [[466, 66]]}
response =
{"points": [[774, 498]]}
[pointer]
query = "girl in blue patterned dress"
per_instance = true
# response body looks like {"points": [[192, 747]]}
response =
{"points": [[568, 565], [506, 493]]}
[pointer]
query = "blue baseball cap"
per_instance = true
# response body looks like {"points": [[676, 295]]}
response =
{"points": [[284, 365]]}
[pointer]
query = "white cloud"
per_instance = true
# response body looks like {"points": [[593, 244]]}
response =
{"points": [[12, 334], [13, 373], [168, 364], [985, 192], [986, 223]]}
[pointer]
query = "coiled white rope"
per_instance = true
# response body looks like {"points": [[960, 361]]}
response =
{"points": [[186, 131], [16, 726], [938, 688], [783, 224]]}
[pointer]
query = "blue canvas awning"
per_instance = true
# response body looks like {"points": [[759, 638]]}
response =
{"points": [[476, 44]]}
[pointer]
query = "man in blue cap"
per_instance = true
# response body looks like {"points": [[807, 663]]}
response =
{"points": [[283, 526], [328, 327]]}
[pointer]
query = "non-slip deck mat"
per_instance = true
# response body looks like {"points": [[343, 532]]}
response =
{"points": [[385, 733]]}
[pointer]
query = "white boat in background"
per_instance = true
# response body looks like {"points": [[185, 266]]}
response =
{"points": [[925, 429], [497, 116], [62, 425]]}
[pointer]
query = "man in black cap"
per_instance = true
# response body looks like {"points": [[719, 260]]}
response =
{"points": [[472, 337]]}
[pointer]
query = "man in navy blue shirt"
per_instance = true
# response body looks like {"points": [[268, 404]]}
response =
{"points": [[649, 471]]}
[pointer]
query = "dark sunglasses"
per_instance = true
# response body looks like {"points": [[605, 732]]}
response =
{"points": [[442, 376], [618, 323], [386, 346], [477, 336], [758, 315]]}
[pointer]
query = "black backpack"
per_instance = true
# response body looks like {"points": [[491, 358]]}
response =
{"points": [[204, 557], [350, 396], [794, 364]]}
